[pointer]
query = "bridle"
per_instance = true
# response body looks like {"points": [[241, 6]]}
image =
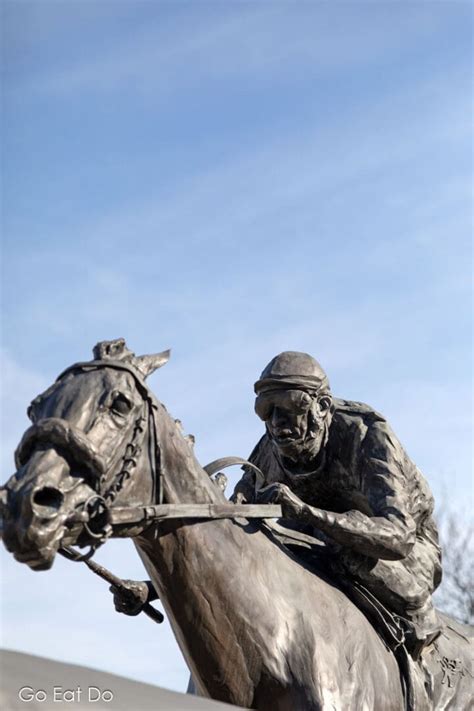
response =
{"points": [[96, 508], [96, 517]]}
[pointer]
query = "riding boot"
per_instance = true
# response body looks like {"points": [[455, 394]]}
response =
{"points": [[422, 626]]}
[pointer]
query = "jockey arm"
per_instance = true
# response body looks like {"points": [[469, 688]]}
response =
{"points": [[374, 536], [390, 537], [387, 530]]}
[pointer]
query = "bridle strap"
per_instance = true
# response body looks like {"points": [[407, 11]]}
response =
{"points": [[148, 397], [154, 453], [116, 365], [73, 442]]}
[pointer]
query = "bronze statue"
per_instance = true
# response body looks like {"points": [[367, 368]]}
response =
{"points": [[259, 616]]}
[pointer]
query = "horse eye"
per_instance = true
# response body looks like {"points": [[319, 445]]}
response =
{"points": [[121, 405]]}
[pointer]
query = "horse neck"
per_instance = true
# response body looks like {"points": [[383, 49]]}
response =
{"points": [[201, 572], [215, 580], [183, 478]]}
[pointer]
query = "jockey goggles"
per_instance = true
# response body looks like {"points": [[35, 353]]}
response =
{"points": [[297, 402]]}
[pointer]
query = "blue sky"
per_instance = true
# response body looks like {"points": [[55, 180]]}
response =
{"points": [[233, 179]]}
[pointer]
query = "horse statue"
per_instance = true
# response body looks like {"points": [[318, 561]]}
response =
{"points": [[257, 626]]}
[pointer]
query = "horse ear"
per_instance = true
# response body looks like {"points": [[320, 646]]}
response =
{"points": [[147, 364]]}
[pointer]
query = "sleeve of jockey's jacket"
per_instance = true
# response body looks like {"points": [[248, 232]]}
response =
{"points": [[384, 469]]}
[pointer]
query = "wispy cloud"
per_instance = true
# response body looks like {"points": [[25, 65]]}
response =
{"points": [[264, 42]]}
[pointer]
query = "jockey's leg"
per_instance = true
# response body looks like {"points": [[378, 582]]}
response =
{"points": [[407, 597]]}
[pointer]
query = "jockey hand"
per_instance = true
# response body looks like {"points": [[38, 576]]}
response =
{"points": [[291, 505], [131, 599]]}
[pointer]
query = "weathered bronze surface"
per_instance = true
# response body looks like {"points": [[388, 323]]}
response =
{"points": [[261, 623]]}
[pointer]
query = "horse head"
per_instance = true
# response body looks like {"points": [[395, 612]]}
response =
{"points": [[90, 432]]}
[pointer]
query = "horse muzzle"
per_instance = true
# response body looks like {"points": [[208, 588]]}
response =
{"points": [[32, 521], [57, 472]]}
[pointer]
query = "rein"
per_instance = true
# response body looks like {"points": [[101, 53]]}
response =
{"points": [[120, 520], [145, 515]]}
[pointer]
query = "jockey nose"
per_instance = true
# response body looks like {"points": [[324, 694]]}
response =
{"points": [[46, 501], [279, 417]]}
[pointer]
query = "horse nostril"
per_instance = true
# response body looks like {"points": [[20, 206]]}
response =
{"points": [[47, 500]]}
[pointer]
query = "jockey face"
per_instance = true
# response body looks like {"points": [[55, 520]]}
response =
{"points": [[294, 421]]}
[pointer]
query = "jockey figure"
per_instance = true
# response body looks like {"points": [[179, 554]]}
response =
{"points": [[337, 468]]}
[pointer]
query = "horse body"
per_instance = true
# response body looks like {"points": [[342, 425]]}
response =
{"points": [[260, 631], [252, 638], [256, 626]]}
